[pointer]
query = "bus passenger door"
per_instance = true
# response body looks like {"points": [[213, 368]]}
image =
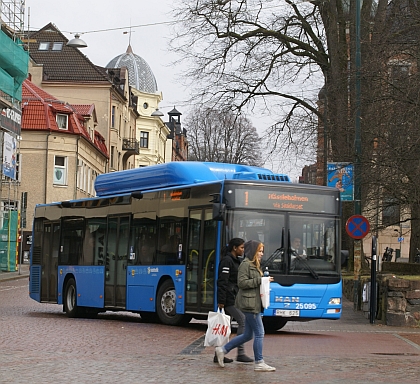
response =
{"points": [[49, 262], [201, 259], [116, 261]]}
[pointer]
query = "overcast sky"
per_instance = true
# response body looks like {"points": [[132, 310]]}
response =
{"points": [[102, 23]]}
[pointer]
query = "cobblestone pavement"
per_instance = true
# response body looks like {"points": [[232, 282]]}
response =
{"points": [[39, 344]]}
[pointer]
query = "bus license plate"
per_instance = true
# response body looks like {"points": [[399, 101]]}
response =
{"points": [[287, 312]]}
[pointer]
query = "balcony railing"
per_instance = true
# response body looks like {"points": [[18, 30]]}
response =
{"points": [[131, 145]]}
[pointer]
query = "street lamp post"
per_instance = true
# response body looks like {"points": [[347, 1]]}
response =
{"points": [[357, 249], [358, 146]]}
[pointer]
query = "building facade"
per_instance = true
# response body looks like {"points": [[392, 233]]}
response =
{"points": [[59, 157], [178, 136], [66, 73]]}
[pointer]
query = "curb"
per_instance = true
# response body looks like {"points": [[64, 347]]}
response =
{"points": [[8, 278]]}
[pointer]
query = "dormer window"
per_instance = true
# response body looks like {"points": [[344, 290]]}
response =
{"points": [[58, 46], [61, 121], [43, 46]]}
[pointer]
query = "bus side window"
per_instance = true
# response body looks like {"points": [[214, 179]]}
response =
{"points": [[72, 248], [146, 253], [88, 247]]}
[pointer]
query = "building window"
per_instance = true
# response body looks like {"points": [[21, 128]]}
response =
{"points": [[113, 116], [144, 139], [390, 213], [43, 46], [79, 176], [399, 74], [60, 170], [85, 168], [61, 121], [58, 46], [112, 156], [91, 133]]}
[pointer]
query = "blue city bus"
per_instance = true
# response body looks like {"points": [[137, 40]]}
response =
{"points": [[151, 241]]}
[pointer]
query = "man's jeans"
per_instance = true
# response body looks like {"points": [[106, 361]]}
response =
{"points": [[240, 318]]}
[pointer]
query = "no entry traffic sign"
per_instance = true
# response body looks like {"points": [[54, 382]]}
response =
{"points": [[357, 227]]}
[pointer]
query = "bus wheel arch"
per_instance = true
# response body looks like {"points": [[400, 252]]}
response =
{"points": [[70, 298], [166, 304]]}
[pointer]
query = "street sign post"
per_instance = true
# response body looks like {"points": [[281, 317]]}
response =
{"points": [[357, 227]]}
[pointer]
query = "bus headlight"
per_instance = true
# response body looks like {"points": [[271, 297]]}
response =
{"points": [[335, 301]]}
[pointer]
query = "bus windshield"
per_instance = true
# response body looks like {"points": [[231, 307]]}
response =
{"points": [[293, 244]]}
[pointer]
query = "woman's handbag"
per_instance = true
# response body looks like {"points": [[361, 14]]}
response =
{"points": [[218, 330], [265, 292]]}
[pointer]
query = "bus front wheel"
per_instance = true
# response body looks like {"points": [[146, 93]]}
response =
{"points": [[166, 305], [273, 323], [149, 317], [70, 299]]}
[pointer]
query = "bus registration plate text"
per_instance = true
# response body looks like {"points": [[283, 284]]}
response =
{"points": [[287, 312]]}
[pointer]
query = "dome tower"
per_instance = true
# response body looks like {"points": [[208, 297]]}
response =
{"points": [[140, 76]]}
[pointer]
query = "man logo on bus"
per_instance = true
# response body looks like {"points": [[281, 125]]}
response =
{"points": [[220, 330], [152, 270], [286, 299]]}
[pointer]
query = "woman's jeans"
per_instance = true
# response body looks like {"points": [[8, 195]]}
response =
{"points": [[240, 318], [253, 328]]}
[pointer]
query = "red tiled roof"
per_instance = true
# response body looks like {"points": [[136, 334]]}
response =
{"points": [[84, 109], [100, 142], [39, 111]]}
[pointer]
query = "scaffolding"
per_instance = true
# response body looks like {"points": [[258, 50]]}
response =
{"points": [[12, 14], [13, 71]]}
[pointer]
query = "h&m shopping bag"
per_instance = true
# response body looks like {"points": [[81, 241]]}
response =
{"points": [[218, 330], [265, 291]]}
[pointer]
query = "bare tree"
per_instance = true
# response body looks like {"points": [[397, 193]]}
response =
{"points": [[221, 136], [242, 47], [278, 54]]}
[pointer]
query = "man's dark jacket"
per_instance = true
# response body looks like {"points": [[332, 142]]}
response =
{"points": [[227, 282]]}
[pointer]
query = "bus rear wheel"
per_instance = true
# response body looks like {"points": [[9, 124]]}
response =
{"points": [[273, 323], [70, 299], [166, 305]]}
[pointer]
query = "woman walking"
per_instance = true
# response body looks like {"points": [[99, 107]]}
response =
{"points": [[248, 301]]}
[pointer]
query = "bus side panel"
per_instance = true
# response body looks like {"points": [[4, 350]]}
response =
{"points": [[35, 283], [142, 283], [141, 298], [311, 301], [90, 284]]}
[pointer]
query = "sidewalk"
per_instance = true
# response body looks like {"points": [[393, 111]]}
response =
{"points": [[19, 274]]}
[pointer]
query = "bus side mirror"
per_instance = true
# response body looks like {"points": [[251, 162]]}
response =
{"points": [[219, 210], [344, 257]]}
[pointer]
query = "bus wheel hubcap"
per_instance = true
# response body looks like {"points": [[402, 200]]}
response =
{"points": [[168, 302]]}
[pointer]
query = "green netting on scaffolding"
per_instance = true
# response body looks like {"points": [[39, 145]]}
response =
{"points": [[14, 64], [8, 240]]}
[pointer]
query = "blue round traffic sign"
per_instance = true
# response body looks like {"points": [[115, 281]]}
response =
{"points": [[357, 227]]}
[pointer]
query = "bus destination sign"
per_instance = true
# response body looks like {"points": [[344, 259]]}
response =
{"points": [[293, 201]]}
